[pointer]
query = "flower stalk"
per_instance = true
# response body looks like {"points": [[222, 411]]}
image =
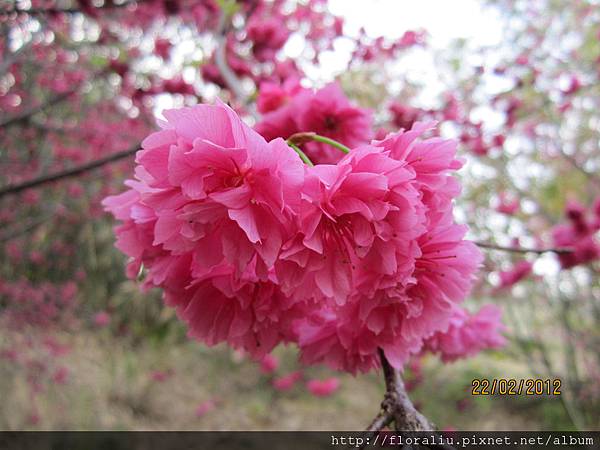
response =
{"points": [[301, 138], [302, 155]]}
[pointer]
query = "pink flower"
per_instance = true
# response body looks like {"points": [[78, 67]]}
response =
{"points": [[286, 382], [207, 217], [517, 273], [55, 348], [272, 96], [101, 319], [323, 388], [160, 376], [61, 375], [326, 112], [34, 418], [269, 364], [574, 85], [356, 216], [409, 290], [268, 35], [577, 235], [468, 334], [410, 38], [162, 48], [329, 113], [253, 248], [404, 116], [252, 314], [205, 407], [507, 206]]}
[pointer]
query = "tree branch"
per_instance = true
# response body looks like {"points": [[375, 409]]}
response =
{"points": [[573, 161], [396, 401], [25, 115], [41, 11], [77, 170], [397, 407], [231, 79], [559, 251], [13, 57]]}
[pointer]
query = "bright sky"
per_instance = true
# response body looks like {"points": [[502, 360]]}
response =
{"points": [[443, 19]]}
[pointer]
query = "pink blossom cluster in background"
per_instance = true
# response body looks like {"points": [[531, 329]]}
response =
{"points": [[578, 234], [290, 109], [468, 334], [269, 366], [518, 272]]}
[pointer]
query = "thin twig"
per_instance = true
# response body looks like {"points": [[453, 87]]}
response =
{"points": [[383, 419], [559, 251], [231, 79], [42, 11], [13, 57], [573, 161], [22, 229], [25, 115], [74, 171]]}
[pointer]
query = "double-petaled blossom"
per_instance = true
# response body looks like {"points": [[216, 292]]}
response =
{"points": [[327, 112], [206, 217], [356, 218], [410, 289], [268, 35], [468, 334], [253, 248], [272, 96]]}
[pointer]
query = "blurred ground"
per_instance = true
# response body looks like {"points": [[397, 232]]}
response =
{"points": [[111, 384]]}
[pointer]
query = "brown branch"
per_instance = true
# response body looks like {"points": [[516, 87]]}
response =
{"points": [[397, 407], [42, 11], [25, 115], [383, 419], [573, 161], [74, 171], [231, 79], [559, 251], [22, 229], [396, 401], [13, 57]]}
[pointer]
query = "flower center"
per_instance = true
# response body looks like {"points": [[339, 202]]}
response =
{"points": [[331, 123]]}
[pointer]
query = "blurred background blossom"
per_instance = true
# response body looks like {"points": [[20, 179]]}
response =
{"points": [[83, 82]]}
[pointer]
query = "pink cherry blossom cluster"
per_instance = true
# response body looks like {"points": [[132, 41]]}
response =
{"points": [[516, 273], [468, 334], [578, 234], [254, 248], [269, 366]]}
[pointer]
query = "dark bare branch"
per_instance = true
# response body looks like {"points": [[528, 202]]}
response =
{"points": [[405, 415], [26, 114], [231, 79], [539, 251], [74, 171], [52, 10]]}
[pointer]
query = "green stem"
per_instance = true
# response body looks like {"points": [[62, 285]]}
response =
{"points": [[326, 140], [302, 155]]}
